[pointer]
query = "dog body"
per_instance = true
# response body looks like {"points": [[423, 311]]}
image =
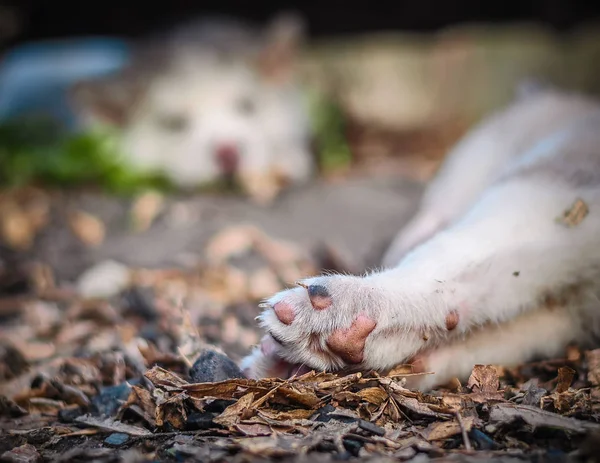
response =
{"points": [[489, 271]]}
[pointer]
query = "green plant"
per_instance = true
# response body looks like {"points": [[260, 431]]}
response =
{"points": [[37, 151]]}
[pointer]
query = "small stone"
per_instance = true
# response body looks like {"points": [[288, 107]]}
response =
{"points": [[104, 280], [23, 454], [68, 415], [482, 440], [324, 412], [218, 406], [140, 301], [111, 398], [370, 427], [353, 446], [405, 454], [212, 367], [116, 439], [197, 421]]}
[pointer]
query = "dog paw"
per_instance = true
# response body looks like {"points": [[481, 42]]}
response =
{"points": [[333, 323]]}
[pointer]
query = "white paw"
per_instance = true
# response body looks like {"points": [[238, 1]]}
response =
{"points": [[334, 323]]}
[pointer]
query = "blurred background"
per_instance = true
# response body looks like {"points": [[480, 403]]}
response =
{"points": [[390, 88]]}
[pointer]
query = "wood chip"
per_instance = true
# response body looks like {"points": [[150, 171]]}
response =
{"points": [[575, 214]]}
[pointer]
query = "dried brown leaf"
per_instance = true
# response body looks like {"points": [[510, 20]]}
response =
{"points": [[230, 242], [145, 209], [17, 230], [19, 387], [339, 383], [72, 333], [507, 412], [294, 414], [45, 405], [575, 214], [374, 395], [237, 412], [484, 383], [304, 396], [142, 398], [415, 406], [71, 394], [8, 408], [454, 401], [440, 430], [414, 400], [268, 447], [315, 377], [348, 397], [221, 390], [254, 430], [565, 378], [35, 351], [88, 228], [80, 371], [484, 379], [161, 377], [110, 424], [172, 411]]}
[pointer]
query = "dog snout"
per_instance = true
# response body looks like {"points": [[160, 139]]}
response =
{"points": [[228, 157]]}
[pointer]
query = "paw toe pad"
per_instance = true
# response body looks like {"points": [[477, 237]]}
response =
{"points": [[319, 297], [284, 312], [452, 320]]}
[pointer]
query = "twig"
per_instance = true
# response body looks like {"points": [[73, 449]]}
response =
{"points": [[465, 436], [401, 375], [184, 358]]}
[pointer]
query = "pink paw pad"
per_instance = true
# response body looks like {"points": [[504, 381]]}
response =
{"points": [[349, 343], [284, 312], [319, 297], [452, 320]]}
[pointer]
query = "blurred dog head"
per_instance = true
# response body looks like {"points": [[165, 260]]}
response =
{"points": [[215, 99]]}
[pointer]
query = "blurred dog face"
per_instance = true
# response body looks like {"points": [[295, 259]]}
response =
{"points": [[200, 112]]}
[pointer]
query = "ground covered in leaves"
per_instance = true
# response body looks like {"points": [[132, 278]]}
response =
{"points": [[105, 367]]}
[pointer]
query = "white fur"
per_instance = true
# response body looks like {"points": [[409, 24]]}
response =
{"points": [[485, 244]]}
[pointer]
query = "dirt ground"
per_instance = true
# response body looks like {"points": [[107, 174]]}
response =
{"points": [[357, 217]]}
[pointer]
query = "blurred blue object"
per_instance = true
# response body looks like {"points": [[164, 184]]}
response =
{"points": [[35, 77]]}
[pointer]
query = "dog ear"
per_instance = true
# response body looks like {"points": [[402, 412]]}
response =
{"points": [[283, 40], [108, 99], [111, 99]]}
